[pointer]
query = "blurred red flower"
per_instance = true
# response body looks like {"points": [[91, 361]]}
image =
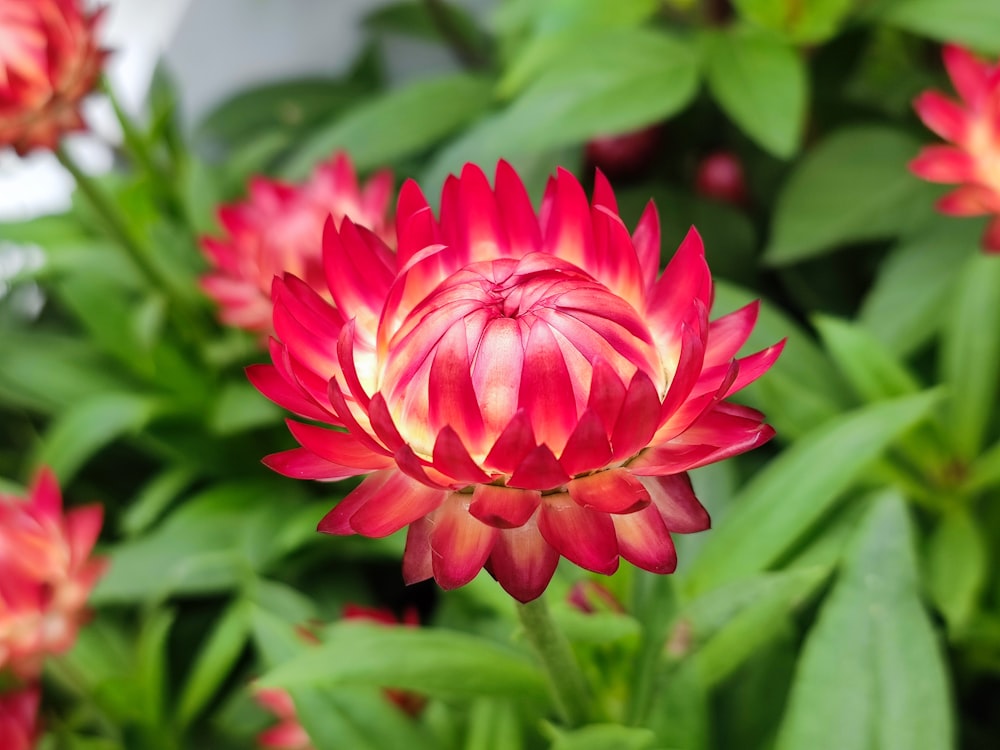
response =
{"points": [[19, 718], [46, 574], [49, 61], [279, 229], [520, 387], [973, 126]]}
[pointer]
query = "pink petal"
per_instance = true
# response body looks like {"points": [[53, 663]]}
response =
{"points": [[604, 195], [607, 394], [616, 264], [338, 520], [546, 391], [588, 447], [646, 240], [83, 527], [685, 280], [567, 229], [970, 76], [726, 335], [582, 536], [46, 497], [451, 457], [538, 471], [339, 404], [301, 463], [419, 469], [417, 564], [496, 373], [754, 365], [516, 212], [969, 200], [943, 116], [944, 164], [346, 344], [523, 562], [514, 444], [452, 400], [460, 544], [611, 491], [382, 424], [484, 235], [267, 380], [644, 541], [674, 498], [639, 417], [400, 501], [503, 507], [338, 447], [358, 271]]}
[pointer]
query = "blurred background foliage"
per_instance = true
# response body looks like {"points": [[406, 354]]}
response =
{"points": [[847, 597]]}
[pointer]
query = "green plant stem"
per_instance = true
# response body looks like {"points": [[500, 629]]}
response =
{"points": [[467, 53], [566, 681], [112, 216]]}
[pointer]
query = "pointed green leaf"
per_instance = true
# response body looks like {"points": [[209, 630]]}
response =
{"points": [[971, 22], [853, 186], [957, 566], [970, 355], [866, 364], [918, 276], [434, 662], [803, 22], [399, 123], [871, 676], [605, 737], [784, 500], [761, 83]]}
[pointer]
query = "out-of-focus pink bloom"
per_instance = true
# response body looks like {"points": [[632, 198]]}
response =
{"points": [[19, 718], [279, 229], [49, 61], [973, 127], [624, 154], [720, 177], [287, 734], [46, 574], [519, 387], [590, 596]]}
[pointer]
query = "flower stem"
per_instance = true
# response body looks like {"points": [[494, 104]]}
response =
{"points": [[109, 212], [566, 681]]}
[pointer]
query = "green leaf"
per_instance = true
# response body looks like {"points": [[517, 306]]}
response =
{"points": [[149, 503], [918, 277], [957, 565], [626, 79], [211, 543], [82, 430], [493, 725], [762, 84], [238, 407], [871, 675], [803, 22], [416, 19], [853, 186], [728, 625], [437, 663], [970, 22], [429, 111], [215, 660], [151, 665], [872, 371], [605, 737], [970, 355], [784, 500]]}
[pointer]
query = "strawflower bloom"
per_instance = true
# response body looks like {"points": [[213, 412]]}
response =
{"points": [[973, 127], [49, 61], [518, 387], [278, 229], [19, 718], [46, 574]]}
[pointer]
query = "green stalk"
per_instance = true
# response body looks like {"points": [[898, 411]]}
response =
{"points": [[566, 682]]}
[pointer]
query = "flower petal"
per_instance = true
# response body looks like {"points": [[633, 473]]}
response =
{"points": [[417, 564], [644, 541], [503, 507], [522, 562], [460, 543], [611, 491], [582, 536], [674, 498], [538, 471], [398, 502]]}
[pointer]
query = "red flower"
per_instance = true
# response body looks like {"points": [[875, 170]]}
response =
{"points": [[519, 387], [49, 61], [19, 718], [974, 128], [279, 229], [720, 177], [624, 154], [46, 574]]}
